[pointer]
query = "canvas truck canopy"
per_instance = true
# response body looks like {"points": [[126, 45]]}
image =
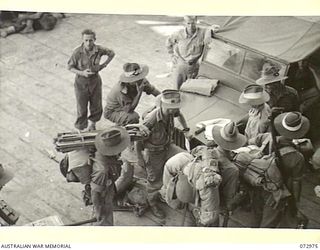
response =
{"points": [[288, 38]]}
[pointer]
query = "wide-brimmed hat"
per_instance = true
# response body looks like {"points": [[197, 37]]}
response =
{"points": [[170, 98], [5, 176], [112, 140], [292, 125], [133, 72], [254, 94], [228, 136], [270, 73]]}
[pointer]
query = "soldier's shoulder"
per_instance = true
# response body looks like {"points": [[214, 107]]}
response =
{"points": [[103, 48], [178, 34], [77, 49], [152, 115]]}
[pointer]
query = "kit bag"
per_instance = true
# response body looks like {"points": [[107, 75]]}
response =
{"points": [[76, 166], [264, 172]]}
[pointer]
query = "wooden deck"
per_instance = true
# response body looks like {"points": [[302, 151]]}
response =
{"points": [[37, 101]]}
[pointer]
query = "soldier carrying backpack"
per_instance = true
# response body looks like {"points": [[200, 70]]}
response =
{"points": [[271, 206], [207, 180]]}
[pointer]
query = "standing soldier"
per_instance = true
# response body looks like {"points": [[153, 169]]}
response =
{"points": [[105, 170], [290, 126], [228, 138], [85, 63], [159, 146], [186, 48]]}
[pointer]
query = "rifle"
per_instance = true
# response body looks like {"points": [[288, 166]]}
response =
{"points": [[303, 221], [274, 112]]}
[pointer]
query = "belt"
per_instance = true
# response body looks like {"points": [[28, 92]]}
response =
{"points": [[91, 76]]}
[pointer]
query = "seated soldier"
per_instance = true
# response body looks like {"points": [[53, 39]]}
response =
{"points": [[124, 97]]}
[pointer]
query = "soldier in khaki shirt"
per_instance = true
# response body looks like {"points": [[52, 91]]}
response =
{"points": [[159, 146], [186, 48], [124, 97], [85, 63]]}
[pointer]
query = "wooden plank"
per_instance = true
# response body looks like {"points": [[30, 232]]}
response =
{"points": [[310, 209], [51, 91], [32, 112], [49, 181], [129, 219]]}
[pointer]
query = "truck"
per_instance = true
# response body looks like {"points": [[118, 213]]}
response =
{"points": [[235, 57]]}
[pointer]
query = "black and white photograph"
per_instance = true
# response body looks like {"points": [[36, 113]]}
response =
{"points": [[159, 120]]}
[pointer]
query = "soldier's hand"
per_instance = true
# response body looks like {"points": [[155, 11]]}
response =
{"points": [[188, 135], [215, 28], [102, 66], [87, 73], [145, 132]]}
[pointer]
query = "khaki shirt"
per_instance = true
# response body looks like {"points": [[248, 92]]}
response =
{"points": [[186, 47], [105, 171], [161, 128], [258, 121], [82, 60], [284, 97], [121, 95]]}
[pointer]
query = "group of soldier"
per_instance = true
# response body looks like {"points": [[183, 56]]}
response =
{"points": [[12, 22], [207, 178]]}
